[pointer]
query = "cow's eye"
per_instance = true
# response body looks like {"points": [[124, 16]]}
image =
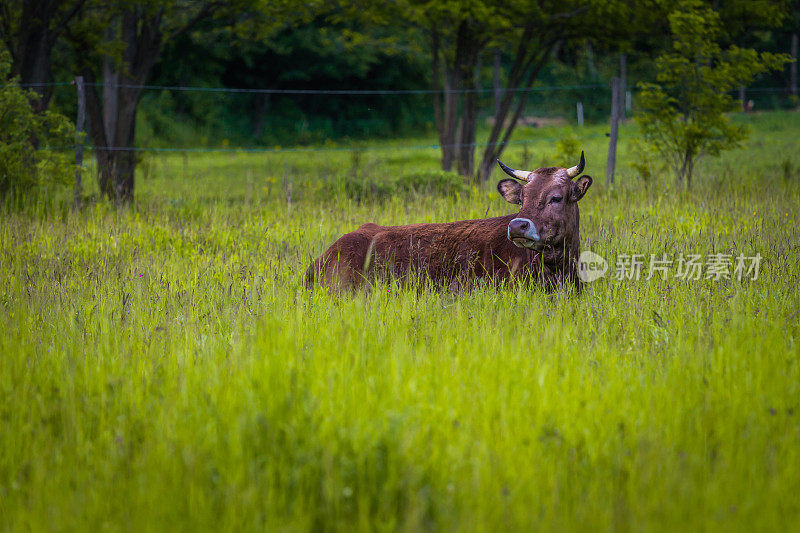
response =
{"points": [[555, 199]]}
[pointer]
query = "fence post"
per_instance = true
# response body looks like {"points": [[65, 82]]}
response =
{"points": [[623, 74], [612, 145], [79, 123], [580, 113]]}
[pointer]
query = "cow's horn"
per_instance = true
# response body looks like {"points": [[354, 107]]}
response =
{"points": [[519, 174], [577, 169]]}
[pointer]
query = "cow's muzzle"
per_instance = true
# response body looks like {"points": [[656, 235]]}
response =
{"points": [[522, 232]]}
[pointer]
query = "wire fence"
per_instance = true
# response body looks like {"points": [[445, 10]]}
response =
{"points": [[354, 92], [359, 92], [302, 149], [197, 119]]}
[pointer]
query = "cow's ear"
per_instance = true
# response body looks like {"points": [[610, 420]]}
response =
{"points": [[510, 190], [580, 186]]}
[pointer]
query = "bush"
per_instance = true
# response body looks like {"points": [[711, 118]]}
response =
{"points": [[683, 114], [25, 171], [568, 150], [433, 183]]}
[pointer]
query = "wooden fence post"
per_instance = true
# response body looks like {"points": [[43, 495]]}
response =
{"points": [[79, 130], [793, 67], [612, 144], [623, 74], [580, 113]]}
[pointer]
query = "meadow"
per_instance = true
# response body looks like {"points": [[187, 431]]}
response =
{"points": [[164, 367]]}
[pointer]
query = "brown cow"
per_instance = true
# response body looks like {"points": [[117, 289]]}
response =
{"points": [[541, 242]]}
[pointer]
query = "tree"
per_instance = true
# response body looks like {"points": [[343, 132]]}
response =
{"points": [[788, 37], [30, 30], [682, 115], [117, 45], [24, 169], [460, 33]]}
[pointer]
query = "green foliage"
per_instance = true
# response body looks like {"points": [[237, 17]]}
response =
{"points": [[25, 171], [381, 188], [646, 165], [568, 150], [683, 113], [310, 55]]}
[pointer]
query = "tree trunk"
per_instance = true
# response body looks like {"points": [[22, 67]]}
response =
{"points": [[112, 114], [467, 125], [684, 167], [793, 67], [533, 49], [456, 122], [687, 168], [97, 131], [496, 82], [40, 25], [448, 136], [689, 172], [438, 93], [262, 102], [444, 97], [110, 89], [515, 74], [466, 136], [524, 70], [33, 55], [453, 77], [124, 136], [590, 65]]}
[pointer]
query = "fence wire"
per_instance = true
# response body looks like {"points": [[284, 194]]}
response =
{"points": [[306, 118]]}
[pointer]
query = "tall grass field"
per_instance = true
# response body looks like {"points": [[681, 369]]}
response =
{"points": [[164, 367]]}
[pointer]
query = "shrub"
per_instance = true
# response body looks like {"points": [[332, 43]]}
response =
{"points": [[431, 182], [25, 170], [683, 114], [568, 150]]}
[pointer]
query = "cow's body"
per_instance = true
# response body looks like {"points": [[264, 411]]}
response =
{"points": [[451, 253], [455, 253]]}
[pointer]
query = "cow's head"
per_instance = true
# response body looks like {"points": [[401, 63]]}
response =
{"points": [[548, 199]]}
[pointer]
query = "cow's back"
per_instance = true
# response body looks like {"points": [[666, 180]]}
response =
{"points": [[342, 264], [441, 251]]}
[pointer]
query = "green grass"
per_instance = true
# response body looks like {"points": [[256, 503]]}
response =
{"points": [[164, 368]]}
